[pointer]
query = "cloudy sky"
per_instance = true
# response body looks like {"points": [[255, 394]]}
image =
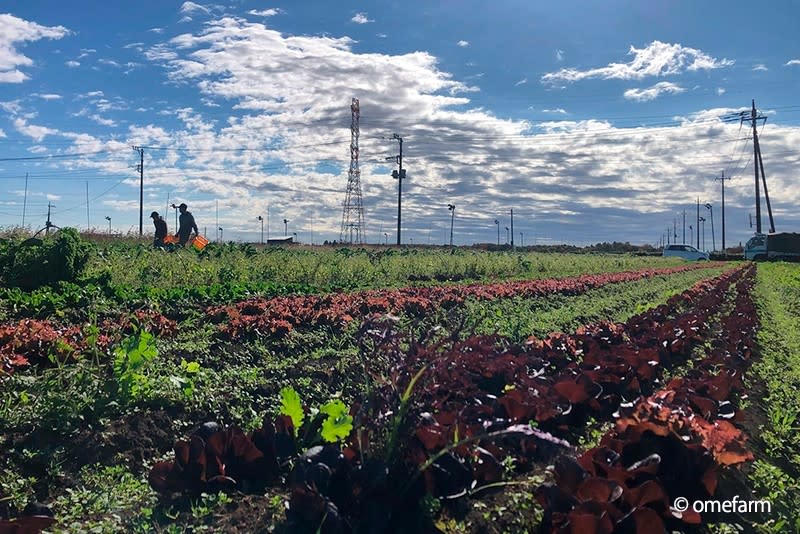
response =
{"points": [[594, 121]]}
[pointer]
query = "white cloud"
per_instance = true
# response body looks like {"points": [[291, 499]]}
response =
{"points": [[657, 59], [462, 43], [559, 55], [560, 111], [156, 30], [109, 62], [361, 18], [2, 133], [265, 12], [523, 81], [86, 51], [52, 197], [792, 62], [760, 66], [38, 133], [102, 121], [721, 91], [191, 7], [19, 31], [72, 64], [187, 18], [653, 92], [47, 96], [12, 107]]}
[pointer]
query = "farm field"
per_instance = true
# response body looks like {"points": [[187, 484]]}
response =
{"points": [[381, 390]]}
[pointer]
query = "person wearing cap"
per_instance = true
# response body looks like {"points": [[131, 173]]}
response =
{"points": [[185, 225], [161, 229]]}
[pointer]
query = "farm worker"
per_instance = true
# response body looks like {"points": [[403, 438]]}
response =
{"points": [[186, 225], [161, 229]]}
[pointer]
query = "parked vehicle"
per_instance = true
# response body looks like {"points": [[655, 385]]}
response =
{"points": [[777, 246], [687, 252]]}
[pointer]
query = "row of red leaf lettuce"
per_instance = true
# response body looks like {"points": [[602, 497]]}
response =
{"points": [[449, 414], [263, 317]]}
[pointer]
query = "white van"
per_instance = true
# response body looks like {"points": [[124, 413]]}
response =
{"points": [[687, 252]]}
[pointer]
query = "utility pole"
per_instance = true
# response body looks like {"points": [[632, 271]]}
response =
{"points": [[140, 168], [25, 200], [758, 163], [399, 175], [452, 209], [722, 182], [48, 224], [512, 229], [674, 230]]}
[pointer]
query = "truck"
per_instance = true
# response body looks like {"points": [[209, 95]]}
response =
{"points": [[776, 246]]}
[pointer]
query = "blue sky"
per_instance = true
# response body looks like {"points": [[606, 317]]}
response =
{"points": [[594, 121]]}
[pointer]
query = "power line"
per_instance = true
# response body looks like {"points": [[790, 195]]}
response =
{"points": [[57, 156]]}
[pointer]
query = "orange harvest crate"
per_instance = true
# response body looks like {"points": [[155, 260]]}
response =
{"points": [[199, 242]]}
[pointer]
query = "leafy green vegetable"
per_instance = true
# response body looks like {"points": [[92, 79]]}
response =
{"points": [[129, 360], [291, 406], [338, 425]]}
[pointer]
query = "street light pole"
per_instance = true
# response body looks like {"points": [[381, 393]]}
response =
{"points": [[703, 231], [452, 209], [497, 223], [399, 175], [176, 216], [260, 218], [506, 235], [697, 228], [713, 240], [286, 227], [512, 228], [109, 224]]}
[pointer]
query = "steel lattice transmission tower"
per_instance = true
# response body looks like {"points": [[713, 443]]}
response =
{"points": [[353, 211]]}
